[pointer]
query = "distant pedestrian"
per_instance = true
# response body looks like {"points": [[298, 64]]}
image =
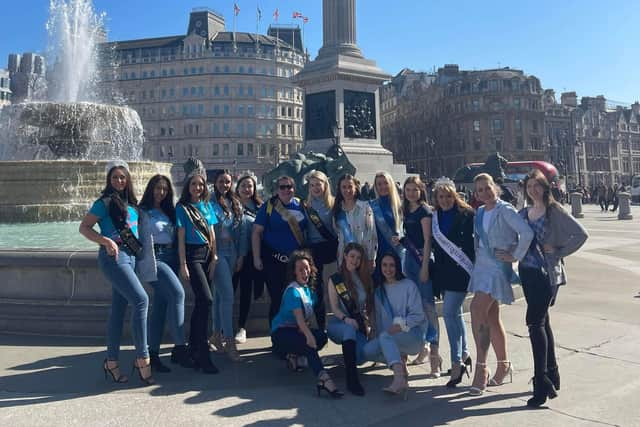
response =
{"points": [[601, 191]]}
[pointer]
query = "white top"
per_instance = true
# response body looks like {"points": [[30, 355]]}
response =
{"points": [[486, 220]]}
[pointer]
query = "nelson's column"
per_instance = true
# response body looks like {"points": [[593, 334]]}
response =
{"points": [[342, 101]]}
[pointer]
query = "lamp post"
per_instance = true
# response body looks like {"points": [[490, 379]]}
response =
{"points": [[335, 129], [430, 143]]}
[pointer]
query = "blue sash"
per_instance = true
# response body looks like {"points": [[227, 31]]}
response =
{"points": [[384, 299], [345, 228], [506, 267], [385, 230]]}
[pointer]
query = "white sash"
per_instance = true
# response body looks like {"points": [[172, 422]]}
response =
{"points": [[307, 305], [452, 250]]}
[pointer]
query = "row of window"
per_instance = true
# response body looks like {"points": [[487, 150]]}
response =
{"points": [[260, 111], [215, 69], [476, 105], [240, 130], [217, 91], [5, 96], [506, 85], [225, 150], [497, 125]]}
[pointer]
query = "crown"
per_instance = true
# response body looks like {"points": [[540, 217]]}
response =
{"points": [[443, 181]]}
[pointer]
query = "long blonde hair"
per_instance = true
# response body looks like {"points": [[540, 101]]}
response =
{"points": [[394, 197], [327, 196], [486, 177]]}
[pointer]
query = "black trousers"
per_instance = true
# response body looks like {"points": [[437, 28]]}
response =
{"points": [[198, 258], [291, 340], [539, 296], [251, 283], [323, 253], [275, 273]]}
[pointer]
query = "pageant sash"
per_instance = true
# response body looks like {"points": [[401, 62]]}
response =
{"points": [[315, 219], [307, 304], [384, 299], [345, 227], [449, 247], [289, 218], [348, 302], [383, 227]]}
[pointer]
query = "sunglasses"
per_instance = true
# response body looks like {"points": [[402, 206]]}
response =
{"points": [[286, 187]]}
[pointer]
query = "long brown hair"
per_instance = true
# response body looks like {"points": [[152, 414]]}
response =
{"points": [[363, 272], [547, 196], [422, 201], [228, 198], [337, 204]]}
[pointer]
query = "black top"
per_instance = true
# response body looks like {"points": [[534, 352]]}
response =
{"points": [[413, 227], [445, 273]]}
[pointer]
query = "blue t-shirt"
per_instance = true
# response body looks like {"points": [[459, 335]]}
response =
{"points": [[162, 229], [290, 301], [277, 233], [192, 237], [107, 228]]}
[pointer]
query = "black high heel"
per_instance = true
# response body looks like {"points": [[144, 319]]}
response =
{"points": [[119, 378], [156, 363], [146, 379], [322, 385], [455, 381], [542, 389], [468, 363]]}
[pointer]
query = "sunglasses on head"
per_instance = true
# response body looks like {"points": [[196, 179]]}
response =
{"points": [[285, 187]]}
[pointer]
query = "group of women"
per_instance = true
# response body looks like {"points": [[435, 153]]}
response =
{"points": [[394, 257]]}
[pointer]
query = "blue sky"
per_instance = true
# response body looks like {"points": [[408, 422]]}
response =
{"points": [[589, 46]]}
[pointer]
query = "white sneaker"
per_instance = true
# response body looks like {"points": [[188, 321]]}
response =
{"points": [[241, 336]]}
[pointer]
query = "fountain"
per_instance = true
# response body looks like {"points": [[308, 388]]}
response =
{"points": [[53, 153]]}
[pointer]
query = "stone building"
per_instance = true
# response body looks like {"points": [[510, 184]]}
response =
{"points": [[225, 97], [458, 117], [5, 89], [27, 73], [560, 134]]}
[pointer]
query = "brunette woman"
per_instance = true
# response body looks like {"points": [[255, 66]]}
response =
{"points": [[158, 266], [556, 235], [321, 237], [249, 280], [290, 332], [231, 243], [399, 324], [501, 238], [348, 292], [417, 229], [116, 213], [195, 219], [453, 253], [353, 219]]}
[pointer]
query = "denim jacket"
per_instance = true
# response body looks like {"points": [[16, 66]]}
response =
{"points": [[507, 231], [146, 267], [236, 243]]}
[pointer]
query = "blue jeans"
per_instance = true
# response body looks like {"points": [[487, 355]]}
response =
{"points": [[168, 301], [412, 271], [292, 341], [388, 348], [222, 290], [126, 289], [453, 321], [339, 332]]}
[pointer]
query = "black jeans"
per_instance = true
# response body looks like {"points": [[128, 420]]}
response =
{"points": [[198, 258], [275, 273], [251, 283], [539, 296], [323, 253], [291, 340]]}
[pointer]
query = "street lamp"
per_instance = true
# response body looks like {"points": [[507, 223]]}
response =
{"points": [[335, 129]]}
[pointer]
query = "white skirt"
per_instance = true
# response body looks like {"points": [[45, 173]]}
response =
{"points": [[488, 277]]}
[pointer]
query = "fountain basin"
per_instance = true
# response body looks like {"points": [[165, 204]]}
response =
{"points": [[61, 190]]}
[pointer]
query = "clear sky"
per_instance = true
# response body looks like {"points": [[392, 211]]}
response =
{"points": [[588, 46]]}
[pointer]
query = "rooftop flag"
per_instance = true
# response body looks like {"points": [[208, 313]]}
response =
{"points": [[236, 9], [297, 15], [276, 14]]}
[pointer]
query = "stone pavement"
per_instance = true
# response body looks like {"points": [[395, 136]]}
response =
{"points": [[58, 381]]}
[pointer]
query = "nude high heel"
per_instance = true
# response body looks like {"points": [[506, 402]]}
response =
{"points": [[479, 390], [494, 382]]}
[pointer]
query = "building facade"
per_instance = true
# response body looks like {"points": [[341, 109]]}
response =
{"points": [[27, 73], [462, 117], [5, 88], [224, 97]]}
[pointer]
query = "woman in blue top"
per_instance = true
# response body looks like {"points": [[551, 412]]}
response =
{"points": [[501, 238], [417, 229], [158, 266], [198, 257], [116, 213], [278, 231], [321, 237], [231, 242], [290, 332], [399, 323], [387, 212], [248, 280]]}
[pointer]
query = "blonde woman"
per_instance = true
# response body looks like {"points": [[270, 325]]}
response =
{"points": [[321, 237], [387, 212], [501, 238]]}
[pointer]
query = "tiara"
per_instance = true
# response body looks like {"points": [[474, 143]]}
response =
{"points": [[443, 181], [116, 164]]}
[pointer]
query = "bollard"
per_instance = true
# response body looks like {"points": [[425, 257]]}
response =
{"points": [[576, 205], [624, 207]]}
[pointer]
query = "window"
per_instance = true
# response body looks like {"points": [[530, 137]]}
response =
{"points": [[250, 111], [225, 150], [216, 150], [240, 149], [519, 143], [163, 93], [241, 110], [240, 129], [249, 149], [534, 125], [477, 143], [225, 131], [201, 70], [263, 150], [215, 129], [240, 90], [518, 124], [185, 91], [496, 125], [497, 143], [216, 91], [226, 91], [535, 143], [516, 103], [476, 125], [250, 91], [225, 109]]}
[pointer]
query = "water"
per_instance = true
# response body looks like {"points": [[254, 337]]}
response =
{"points": [[52, 235]]}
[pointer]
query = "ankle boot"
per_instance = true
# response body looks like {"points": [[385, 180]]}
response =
{"points": [[554, 376], [351, 368], [542, 388], [180, 355], [156, 363], [204, 362]]}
